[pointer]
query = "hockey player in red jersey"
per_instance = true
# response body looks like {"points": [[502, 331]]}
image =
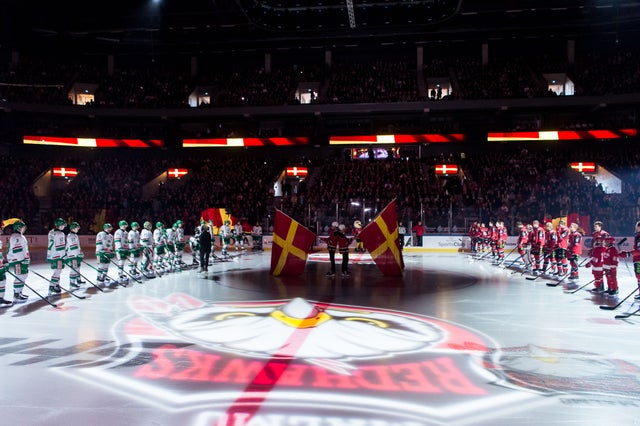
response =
{"points": [[596, 260], [635, 255], [537, 240], [501, 243], [610, 265], [522, 244], [574, 250], [562, 235], [549, 249]]}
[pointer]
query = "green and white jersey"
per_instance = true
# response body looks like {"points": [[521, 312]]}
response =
{"points": [[133, 239], [104, 242], [18, 248], [225, 231], [73, 245], [179, 234], [146, 238], [171, 236], [120, 239], [56, 244], [158, 238]]}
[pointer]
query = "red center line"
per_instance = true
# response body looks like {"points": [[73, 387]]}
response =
{"points": [[253, 396]]}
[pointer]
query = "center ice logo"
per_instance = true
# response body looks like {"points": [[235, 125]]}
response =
{"points": [[236, 362]]}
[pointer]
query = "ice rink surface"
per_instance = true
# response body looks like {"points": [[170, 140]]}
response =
{"points": [[454, 341]]}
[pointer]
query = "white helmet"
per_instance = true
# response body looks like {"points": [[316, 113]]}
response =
{"points": [[334, 224], [341, 227]]}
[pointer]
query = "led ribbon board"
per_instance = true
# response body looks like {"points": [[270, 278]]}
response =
{"points": [[395, 139], [242, 142], [92, 142]]}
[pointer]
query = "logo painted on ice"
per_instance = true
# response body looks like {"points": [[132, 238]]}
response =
{"points": [[242, 362]]}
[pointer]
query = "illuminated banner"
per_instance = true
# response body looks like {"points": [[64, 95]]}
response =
{"points": [[297, 171], [561, 135], [92, 143], [446, 169], [584, 167], [235, 142], [65, 172], [395, 139], [177, 173]]}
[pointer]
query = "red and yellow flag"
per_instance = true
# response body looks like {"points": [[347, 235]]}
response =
{"points": [[583, 220], [380, 238], [218, 216], [8, 222], [291, 245]]}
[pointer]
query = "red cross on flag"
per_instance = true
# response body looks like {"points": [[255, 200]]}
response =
{"points": [[297, 171], [177, 173], [65, 172], [584, 167], [446, 169]]}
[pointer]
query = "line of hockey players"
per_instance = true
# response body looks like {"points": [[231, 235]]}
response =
{"points": [[140, 252], [229, 235], [556, 252], [136, 253]]}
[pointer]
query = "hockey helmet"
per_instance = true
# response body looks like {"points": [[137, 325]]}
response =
{"points": [[334, 224], [178, 222], [357, 224], [60, 222], [74, 225], [341, 227], [147, 225], [159, 225], [123, 223], [106, 226], [175, 225], [202, 221], [17, 226], [227, 222], [135, 225]]}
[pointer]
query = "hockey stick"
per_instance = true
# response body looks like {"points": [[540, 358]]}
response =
{"points": [[31, 288], [547, 256], [501, 261], [628, 269], [627, 314], [611, 308], [148, 255], [88, 280], [557, 283], [141, 272], [123, 270], [514, 261], [100, 272], [525, 257], [581, 287], [66, 290], [477, 258]]}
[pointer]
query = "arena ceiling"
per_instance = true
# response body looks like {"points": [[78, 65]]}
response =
{"points": [[202, 26]]}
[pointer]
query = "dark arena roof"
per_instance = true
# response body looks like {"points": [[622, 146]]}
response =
{"points": [[192, 27], [201, 44]]}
